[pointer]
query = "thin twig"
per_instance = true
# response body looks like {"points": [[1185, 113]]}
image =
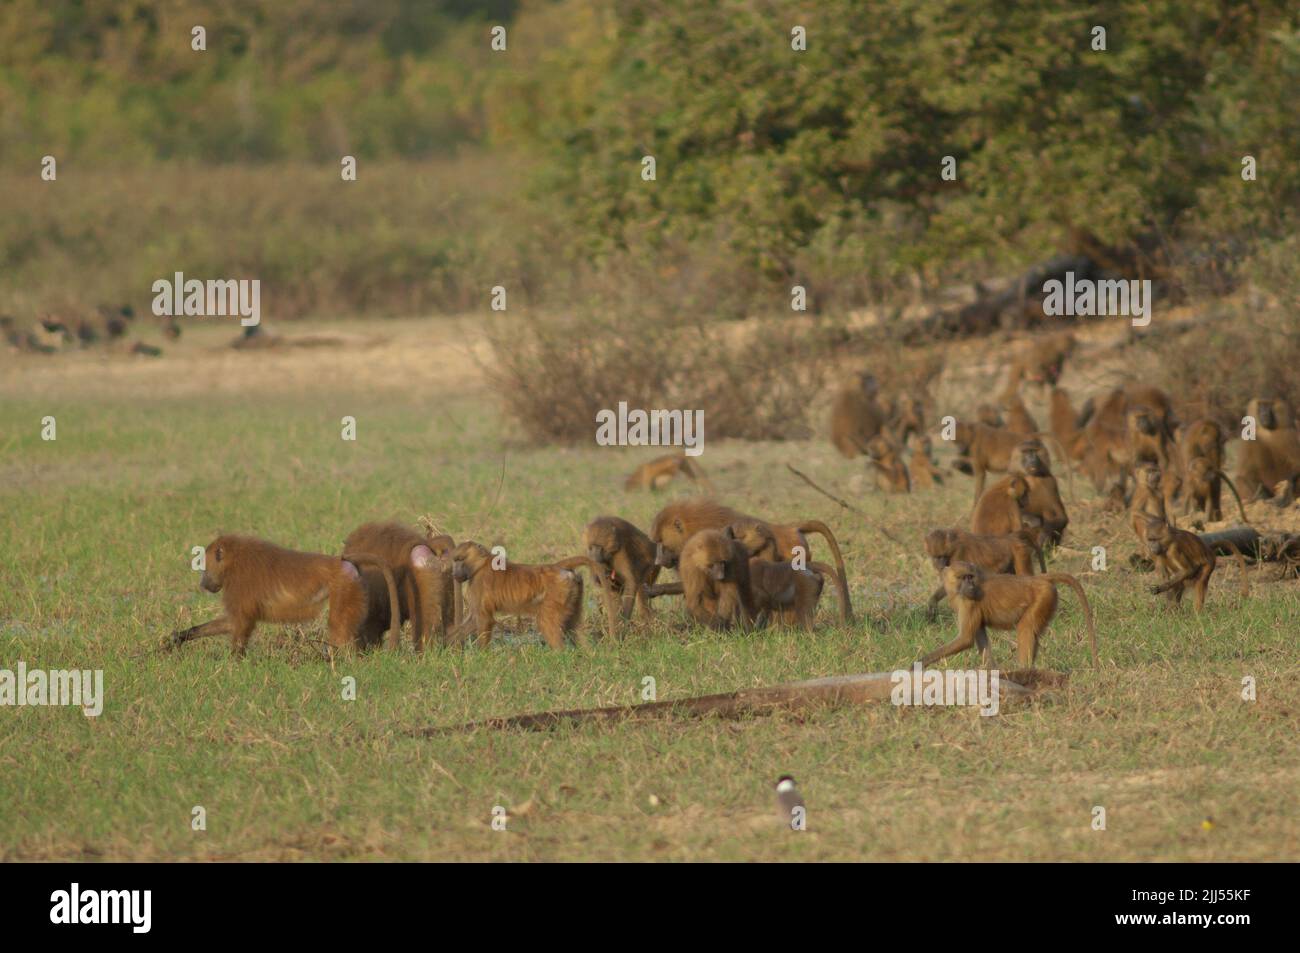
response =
{"points": [[848, 506]]}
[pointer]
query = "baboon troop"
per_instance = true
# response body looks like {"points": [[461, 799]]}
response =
{"points": [[745, 573]]}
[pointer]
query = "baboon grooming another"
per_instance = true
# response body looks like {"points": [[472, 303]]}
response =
{"points": [[658, 473], [884, 459], [262, 582], [552, 594], [627, 556], [1001, 509], [777, 544], [1023, 603], [1013, 553], [678, 521], [714, 569], [425, 589]]}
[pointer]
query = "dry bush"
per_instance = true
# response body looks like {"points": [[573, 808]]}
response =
{"points": [[752, 379]]}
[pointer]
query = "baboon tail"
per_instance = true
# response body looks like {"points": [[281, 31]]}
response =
{"points": [[841, 577], [1074, 584], [394, 637], [1236, 496], [1030, 538], [608, 598]]}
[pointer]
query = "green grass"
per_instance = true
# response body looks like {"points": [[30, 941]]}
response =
{"points": [[97, 528]]}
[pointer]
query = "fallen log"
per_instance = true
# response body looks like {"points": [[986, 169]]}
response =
{"points": [[1244, 538], [832, 691]]}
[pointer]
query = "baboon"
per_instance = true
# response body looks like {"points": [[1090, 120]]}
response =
{"points": [[986, 448], [1001, 509], [658, 473], [425, 589], [1041, 361], [1019, 419], [856, 417], [777, 543], [1203, 490], [1148, 441], [678, 521], [1044, 497], [23, 341], [552, 593], [1203, 438], [1274, 455], [1183, 560], [884, 460], [1065, 427], [992, 600], [714, 570], [907, 418], [1013, 553], [627, 556], [786, 594], [262, 582], [1148, 501], [923, 471]]}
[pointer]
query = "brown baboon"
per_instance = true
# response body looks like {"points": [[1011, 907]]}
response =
{"points": [[1065, 427], [1149, 501], [784, 543], [263, 582], [1013, 553], [992, 600], [1203, 438], [628, 558], [1274, 455], [923, 471], [714, 570], [856, 416], [425, 589], [678, 521], [1148, 441], [1203, 489], [658, 473], [786, 594], [906, 419], [1040, 361], [884, 460], [986, 449], [1183, 560], [1000, 509], [552, 593]]}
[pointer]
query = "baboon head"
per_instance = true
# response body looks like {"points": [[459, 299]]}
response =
{"points": [[756, 536], [711, 552], [215, 560], [1150, 476], [939, 545], [602, 541], [964, 579], [869, 385], [467, 559], [1033, 458], [1159, 536], [1265, 414]]}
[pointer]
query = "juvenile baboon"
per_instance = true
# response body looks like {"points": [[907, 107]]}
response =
{"points": [[1274, 454], [1182, 559], [884, 460], [1203, 438], [1149, 442], [786, 594], [1148, 501], [907, 418], [1000, 509], [1013, 553], [923, 472], [425, 589], [262, 582], [658, 473], [628, 558], [1025, 603], [1203, 490], [714, 570], [552, 593], [856, 416]]}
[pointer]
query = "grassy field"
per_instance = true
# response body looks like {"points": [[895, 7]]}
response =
{"points": [[154, 457]]}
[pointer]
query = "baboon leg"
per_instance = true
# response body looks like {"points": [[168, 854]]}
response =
{"points": [[347, 612], [958, 644], [1026, 641], [985, 645], [1202, 584], [1214, 507], [936, 597], [239, 633], [485, 623], [550, 620], [410, 598], [221, 625]]}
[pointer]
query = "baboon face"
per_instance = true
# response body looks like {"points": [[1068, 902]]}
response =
{"points": [[664, 556], [214, 566], [939, 545], [965, 579], [870, 386], [466, 560], [1151, 477], [1033, 458], [1157, 537]]}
